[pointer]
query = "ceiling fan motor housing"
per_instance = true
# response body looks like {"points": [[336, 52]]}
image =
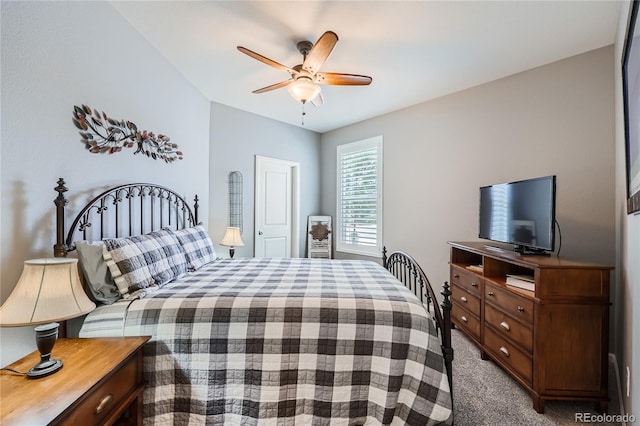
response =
{"points": [[304, 47]]}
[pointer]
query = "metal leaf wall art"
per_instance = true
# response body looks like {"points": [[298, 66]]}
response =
{"points": [[102, 134]]}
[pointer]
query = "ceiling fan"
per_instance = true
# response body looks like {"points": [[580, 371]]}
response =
{"points": [[305, 77]]}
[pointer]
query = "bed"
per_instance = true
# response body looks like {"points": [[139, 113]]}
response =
{"points": [[262, 340]]}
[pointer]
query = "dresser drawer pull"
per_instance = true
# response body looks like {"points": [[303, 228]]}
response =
{"points": [[464, 299], [463, 318], [504, 351], [520, 309], [490, 293], [474, 284], [456, 276], [504, 325], [104, 403]]}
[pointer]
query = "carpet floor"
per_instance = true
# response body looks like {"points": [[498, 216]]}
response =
{"points": [[483, 394]]}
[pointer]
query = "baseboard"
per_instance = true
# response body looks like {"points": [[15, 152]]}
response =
{"points": [[613, 360]]}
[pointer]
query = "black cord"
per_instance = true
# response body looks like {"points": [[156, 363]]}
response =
{"points": [[559, 239], [15, 371]]}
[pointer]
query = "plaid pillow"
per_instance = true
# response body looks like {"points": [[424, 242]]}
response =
{"points": [[173, 252], [197, 246], [128, 267], [140, 263]]}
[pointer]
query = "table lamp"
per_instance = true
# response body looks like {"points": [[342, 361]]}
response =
{"points": [[48, 290], [232, 239]]}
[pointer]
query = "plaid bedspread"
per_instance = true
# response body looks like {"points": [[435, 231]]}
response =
{"points": [[287, 342]]}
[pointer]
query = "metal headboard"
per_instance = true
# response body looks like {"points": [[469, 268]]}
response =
{"points": [[137, 208]]}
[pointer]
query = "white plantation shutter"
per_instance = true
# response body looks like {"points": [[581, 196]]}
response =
{"points": [[500, 195], [359, 200]]}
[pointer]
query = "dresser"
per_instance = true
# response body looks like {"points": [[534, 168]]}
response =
{"points": [[100, 383], [553, 339]]}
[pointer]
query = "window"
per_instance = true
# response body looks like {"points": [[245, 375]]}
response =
{"points": [[500, 195], [359, 197]]}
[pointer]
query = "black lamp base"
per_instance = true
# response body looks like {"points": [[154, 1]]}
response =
{"points": [[43, 369], [46, 336]]}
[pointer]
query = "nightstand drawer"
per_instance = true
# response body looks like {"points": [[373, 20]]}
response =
{"points": [[466, 321], [510, 303], [466, 300], [508, 327], [102, 400], [506, 353], [467, 280]]}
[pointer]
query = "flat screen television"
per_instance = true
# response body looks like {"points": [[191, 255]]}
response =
{"points": [[521, 213]]}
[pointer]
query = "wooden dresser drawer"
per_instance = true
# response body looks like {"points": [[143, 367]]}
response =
{"points": [[467, 280], [465, 320], [509, 328], [465, 299], [505, 352], [510, 303], [107, 395]]}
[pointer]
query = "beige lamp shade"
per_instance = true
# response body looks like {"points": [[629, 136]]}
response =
{"points": [[48, 290], [232, 238]]}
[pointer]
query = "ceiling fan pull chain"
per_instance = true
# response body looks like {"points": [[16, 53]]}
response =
{"points": [[303, 113]]}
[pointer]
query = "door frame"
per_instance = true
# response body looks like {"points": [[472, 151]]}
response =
{"points": [[295, 200]]}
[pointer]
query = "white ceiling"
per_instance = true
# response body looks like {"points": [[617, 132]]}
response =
{"points": [[414, 50]]}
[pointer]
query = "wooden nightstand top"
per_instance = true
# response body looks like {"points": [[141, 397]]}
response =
{"points": [[88, 363]]}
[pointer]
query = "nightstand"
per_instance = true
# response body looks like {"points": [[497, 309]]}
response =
{"points": [[100, 383]]}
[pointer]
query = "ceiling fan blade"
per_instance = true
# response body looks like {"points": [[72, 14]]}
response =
{"points": [[266, 60], [272, 87], [340, 79], [318, 100], [320, 52]]}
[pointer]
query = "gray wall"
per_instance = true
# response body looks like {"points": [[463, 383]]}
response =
{"points": [[627, 319], [556, 119], [56, 55], [236, 138]]}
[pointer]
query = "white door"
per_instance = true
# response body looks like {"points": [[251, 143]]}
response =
{"points": [[276, 208]]}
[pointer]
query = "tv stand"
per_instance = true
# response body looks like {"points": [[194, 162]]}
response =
{"points": [[553, 340]]}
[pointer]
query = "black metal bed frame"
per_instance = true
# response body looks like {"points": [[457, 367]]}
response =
{"points": [[158, 207], [408, 271], [165, 206]]}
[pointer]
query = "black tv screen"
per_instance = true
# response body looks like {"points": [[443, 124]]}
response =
{"points": [[520, 213]]}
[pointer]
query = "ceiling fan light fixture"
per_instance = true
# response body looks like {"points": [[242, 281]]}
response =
{"points": [[303, 89]]}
